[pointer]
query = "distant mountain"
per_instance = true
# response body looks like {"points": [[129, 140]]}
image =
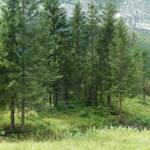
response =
{"points": [[136, 13]]}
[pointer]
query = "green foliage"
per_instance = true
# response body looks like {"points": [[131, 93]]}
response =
{"points": [[79, 45], [120, 62], [52, 65], [49, 124], [103, 43]]}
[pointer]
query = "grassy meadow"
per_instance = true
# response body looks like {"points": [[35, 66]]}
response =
{"points": [[83, 128], [105, 139]]}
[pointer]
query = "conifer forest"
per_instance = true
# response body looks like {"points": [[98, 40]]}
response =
{"points": [[77, 80]]}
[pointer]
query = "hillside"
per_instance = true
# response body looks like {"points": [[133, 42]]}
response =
{"points": [[45, 123], [73, 128]]}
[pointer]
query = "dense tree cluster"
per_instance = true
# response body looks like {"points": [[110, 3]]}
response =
{"points": [[87, 58]]}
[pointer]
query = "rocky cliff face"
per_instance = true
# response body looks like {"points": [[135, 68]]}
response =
{"points": [[136, 13]]}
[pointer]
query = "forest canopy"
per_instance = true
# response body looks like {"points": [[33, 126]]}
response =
{"points": [[47, 57]]}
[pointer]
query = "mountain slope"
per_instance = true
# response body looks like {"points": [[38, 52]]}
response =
{"points": [[136, 13]]}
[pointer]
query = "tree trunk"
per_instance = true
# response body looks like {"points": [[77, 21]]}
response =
{"points": [[66, 96], [12, 114], [78, 90], [85, 92], [23, 75], [89, 97], [23, 96], [78, 63], [109, 100], [101, 98], [50, 98], [95, 97], [120, 105], [22, 113], [55, 90]]}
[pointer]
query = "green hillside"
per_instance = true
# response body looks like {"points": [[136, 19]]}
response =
{"points": [[83, 128], [45, 123]]}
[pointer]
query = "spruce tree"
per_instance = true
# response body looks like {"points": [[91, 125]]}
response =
{"points": [[10, 69], [103, 43], [119, 58], [92, 26], [136, 65], [79, 46], [54, 23], [66, 63], [26, 33], [145, 73]]}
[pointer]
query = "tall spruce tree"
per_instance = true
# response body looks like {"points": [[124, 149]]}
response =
{"points": [[10, 70], [55, 19], [119, 57], [136, 63], [92, 26], [104, 41], [26, 33], [66, 63], [145, 73], [79, 45]]}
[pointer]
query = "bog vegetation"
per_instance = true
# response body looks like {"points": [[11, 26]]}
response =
{"points": [[61, 75]]}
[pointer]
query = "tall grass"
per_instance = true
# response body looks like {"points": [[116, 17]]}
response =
{"points": [[105, 139]]}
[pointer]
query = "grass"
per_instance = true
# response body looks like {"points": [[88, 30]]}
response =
{"points": [[105, 139], [137, 114], [81, 128]]}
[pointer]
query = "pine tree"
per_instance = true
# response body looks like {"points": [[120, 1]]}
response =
{"points": [[26, 33], [103, 43], [54, 23], [79, 46], [66, 63], [92, 26], [145, 73], [119, 58], [136, 63], [10, 69]]}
